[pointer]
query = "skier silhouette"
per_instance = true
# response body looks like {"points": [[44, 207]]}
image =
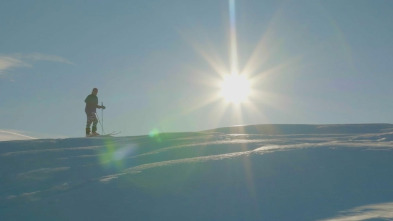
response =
{"points": [[90, 109]]}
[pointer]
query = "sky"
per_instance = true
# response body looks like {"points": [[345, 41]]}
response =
{"points": [[159, 64]]}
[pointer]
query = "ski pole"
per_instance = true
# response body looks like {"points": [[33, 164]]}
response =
{"points": [[99, 120], [102, 118]]}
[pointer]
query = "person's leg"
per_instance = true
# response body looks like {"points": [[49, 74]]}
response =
{"points": [[90, 120], [95, 121]]}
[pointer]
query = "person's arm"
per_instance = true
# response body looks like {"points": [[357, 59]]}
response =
{"points": [[99, 106]]}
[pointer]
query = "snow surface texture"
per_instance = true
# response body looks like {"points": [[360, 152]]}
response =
{"points": [[262, 172]]}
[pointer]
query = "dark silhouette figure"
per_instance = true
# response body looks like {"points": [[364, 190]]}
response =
{"points": [[90, 109]]}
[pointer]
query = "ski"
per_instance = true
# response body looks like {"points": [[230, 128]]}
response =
{"points": [[105, 135]]}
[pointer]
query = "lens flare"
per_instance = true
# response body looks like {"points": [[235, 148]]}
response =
{"points": [[114, 156]]}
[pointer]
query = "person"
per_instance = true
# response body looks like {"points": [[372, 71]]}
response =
{"points": [[90, 109]]}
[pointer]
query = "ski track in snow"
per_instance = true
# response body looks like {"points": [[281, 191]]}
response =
{"points": [[381, 211], [260, 150]]}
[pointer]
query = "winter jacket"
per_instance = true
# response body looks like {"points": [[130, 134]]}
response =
{"points": [[91, 103]]}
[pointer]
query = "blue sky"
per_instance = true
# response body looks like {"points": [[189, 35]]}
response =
{"points": [[156, 63]]}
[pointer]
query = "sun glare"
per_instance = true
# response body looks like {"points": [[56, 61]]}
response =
{"points": [[235, 88]]}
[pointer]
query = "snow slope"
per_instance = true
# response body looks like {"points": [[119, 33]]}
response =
{"points": [[259, 172]]}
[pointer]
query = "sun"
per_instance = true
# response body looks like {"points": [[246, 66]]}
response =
{"points": [[235, 88]]}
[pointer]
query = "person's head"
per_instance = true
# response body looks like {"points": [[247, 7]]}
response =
{"points": [[95, 91]]}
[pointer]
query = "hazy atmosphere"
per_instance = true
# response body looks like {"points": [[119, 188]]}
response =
{"points": [[211, 110], [160, 65]]}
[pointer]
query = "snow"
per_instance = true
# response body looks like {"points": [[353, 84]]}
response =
{"points": [[256, 172], [13, 135]]}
